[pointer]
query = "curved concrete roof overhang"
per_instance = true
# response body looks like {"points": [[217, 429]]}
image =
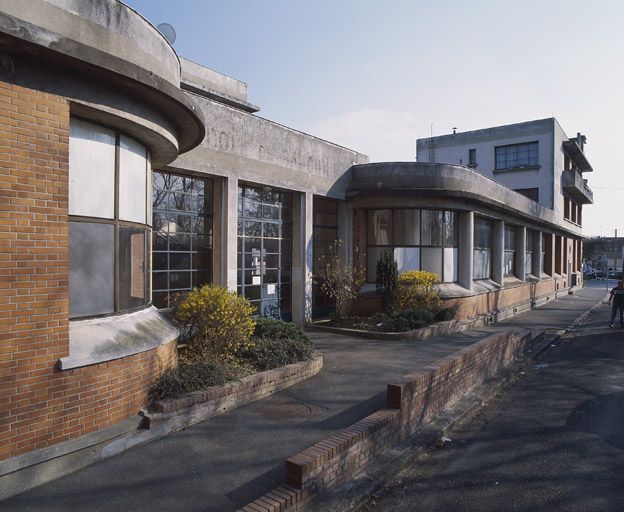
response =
{"points": [[112, 65], [436, 180]]}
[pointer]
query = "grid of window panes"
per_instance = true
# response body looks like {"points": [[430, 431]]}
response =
{"points": [[325, 237], [182, 235], [517, 155], [509, 263], [482, 249], [265, 249], [418, 240]]}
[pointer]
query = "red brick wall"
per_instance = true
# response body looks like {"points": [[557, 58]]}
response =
{"points": [[411, 401], [39, 405]]}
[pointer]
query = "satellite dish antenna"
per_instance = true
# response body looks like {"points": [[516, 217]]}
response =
{"points": [[168, 32]]}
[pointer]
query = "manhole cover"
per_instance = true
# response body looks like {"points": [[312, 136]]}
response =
{"points": [[287, 411]]}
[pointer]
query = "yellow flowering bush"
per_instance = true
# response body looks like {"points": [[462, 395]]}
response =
{"points": [[418, 289], [218, 322]]}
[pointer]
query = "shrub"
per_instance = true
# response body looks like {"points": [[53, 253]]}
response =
{"points": [[268, 353], [400, 321], [386, 278], [446, 314], [340, 280], [218, 321], [188, 377], [278, 329], [417, 289]]}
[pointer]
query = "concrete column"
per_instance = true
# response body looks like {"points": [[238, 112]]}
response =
{"points": [[226, 218], [498, 251], [302, 258], [466, 242], [520, 252], [536, 269]]}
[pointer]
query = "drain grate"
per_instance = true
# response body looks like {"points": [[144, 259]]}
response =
{"points": [[293, 411]]}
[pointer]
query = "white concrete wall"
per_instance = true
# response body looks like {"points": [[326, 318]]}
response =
{"points": [[453, 149]]}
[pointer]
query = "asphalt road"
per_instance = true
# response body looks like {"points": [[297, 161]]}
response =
{"points": [[552, 441]]}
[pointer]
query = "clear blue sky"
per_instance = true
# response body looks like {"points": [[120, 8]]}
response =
{"points": [[374, 75]]}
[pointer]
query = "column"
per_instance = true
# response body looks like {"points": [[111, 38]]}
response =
{"points": [[302, 257], [466, 241], [536, 269], [498, 251], [520, 252], [549, 250], [227, 271]]}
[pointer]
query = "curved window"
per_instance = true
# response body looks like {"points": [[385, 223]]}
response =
{"points": [[108, 221], [482, 249], [418, 240]]}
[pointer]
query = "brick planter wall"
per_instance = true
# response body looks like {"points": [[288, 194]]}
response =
{"points": [[199, 405], [411, 401], [39, 405]]}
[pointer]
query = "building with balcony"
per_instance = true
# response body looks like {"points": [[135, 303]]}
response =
{"points": [[130, 174]]}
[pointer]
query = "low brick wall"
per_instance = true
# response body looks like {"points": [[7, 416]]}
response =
{"points": [[412, 400], [199, 405]]}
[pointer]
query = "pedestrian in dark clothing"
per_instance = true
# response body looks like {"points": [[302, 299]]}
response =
{"points": [[616, 299]]}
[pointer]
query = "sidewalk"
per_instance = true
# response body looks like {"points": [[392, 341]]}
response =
{"points": [[228, 461]]}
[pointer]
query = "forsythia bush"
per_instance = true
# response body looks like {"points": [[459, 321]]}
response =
{"points": [[219, 321], [417, 289]]}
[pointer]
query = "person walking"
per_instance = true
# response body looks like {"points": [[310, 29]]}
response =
{"points": [[616, 299]]}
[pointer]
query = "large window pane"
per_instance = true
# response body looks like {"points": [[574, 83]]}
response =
{"points": [[432, 222], [91, 170], [379, 227], [132, 180], [450, 229], [407, 258], [132, 268], [91, 269], [431, 260], [482, 233], [407, 227], [450, 265], [482, 264]]}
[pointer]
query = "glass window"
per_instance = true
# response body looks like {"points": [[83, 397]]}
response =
{"points": [[182, 238], [108, 258], [379, 227], [132, 180], [264, 265], [91, 269], [92, 170], [517, 155], [324, 236], [407, 258], [482, 253], [406, 227], [472, 157], [133, 288], [414, 231], [432, 222]]}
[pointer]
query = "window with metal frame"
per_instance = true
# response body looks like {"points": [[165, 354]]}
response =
{"points": [[182, 241], [265, 249], [516, 155], [108, 221]]}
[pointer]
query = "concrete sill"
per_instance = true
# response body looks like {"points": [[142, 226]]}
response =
{"points": [[98, 340], [519, 168]]}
